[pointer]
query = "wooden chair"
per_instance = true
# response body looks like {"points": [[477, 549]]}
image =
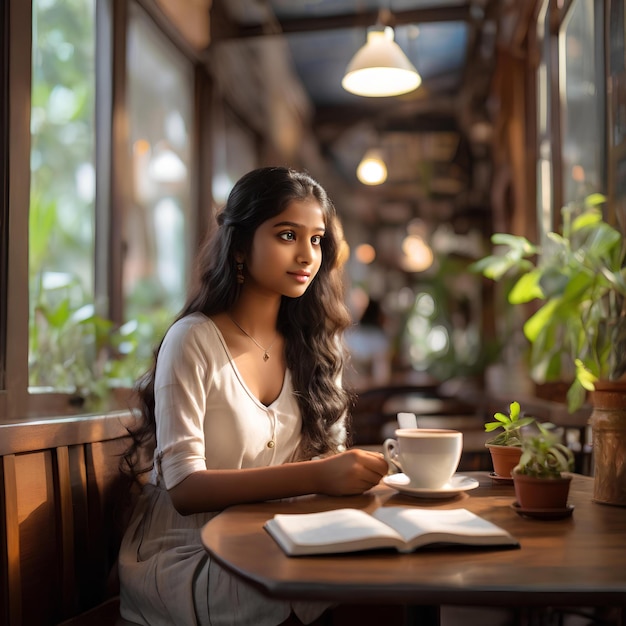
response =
{"points": [[63, 505]]}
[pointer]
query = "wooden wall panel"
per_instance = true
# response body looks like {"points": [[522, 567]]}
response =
{"points": [[86, 592], [38, 538], [10, 570]]}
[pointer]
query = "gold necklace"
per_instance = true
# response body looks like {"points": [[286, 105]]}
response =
{"points": [[266, 351]]}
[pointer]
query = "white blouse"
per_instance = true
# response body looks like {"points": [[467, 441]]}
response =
{"points": [[206, 416]]}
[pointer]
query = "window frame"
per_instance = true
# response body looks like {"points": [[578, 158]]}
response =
{"points": [[19, 87], [616, 118], [542, 101], [4, 204], [561, 20], [558, 12]]}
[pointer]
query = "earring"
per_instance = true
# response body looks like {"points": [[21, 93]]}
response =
{"points": [[240, 277]]}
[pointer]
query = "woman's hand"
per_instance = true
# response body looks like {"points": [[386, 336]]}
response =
{"points": [[351, 472]]}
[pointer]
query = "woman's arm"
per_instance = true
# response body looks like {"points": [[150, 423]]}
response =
{"points": [[348, 473]]}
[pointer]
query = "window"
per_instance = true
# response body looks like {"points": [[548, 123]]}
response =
{"points": [[62, 193], [4, 200], [582, 89], [157, 220], [234, 151], [157, 233], [103, 108], [544, 174], [79, 342]]}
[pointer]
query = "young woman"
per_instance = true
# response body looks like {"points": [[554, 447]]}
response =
{"points": [[244, 403]]}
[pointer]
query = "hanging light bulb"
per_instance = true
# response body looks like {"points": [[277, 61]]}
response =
{"points": [[372, 169], [380, 68]]}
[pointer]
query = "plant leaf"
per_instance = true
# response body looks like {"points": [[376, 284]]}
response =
{"points": [[591, 217], [576, 395], [540, 319], [490, 426], [515, 242], [501, 417], [584, 376], [527, 288], [595, 199]]}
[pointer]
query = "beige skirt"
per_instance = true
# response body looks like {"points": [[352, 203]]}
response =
{"points": [[168, 578]]}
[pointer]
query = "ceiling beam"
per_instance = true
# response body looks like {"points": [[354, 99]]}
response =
{"points": [[365, 19], [440, 116]]}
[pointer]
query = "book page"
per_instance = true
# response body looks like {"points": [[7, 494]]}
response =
{"points": [[334, 528], [411, 522]]}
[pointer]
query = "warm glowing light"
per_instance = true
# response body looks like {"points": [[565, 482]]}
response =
{"points": [[365, 253], [578, 173], [380, 68], [141, 146], [418, 256], [372, 169]]}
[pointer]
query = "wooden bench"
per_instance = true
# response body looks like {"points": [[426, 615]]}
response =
{"points": [[63, 506]]}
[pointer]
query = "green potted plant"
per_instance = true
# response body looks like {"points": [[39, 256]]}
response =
{"points": [[542, 477], [506, 446], [578, 279]]}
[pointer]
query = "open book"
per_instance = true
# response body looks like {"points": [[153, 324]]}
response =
{"points": [[401, 527]]}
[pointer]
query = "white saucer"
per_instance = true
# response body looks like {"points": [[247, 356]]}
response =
{"points": [[457, 484]]}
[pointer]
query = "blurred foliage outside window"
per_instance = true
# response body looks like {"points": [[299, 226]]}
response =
{"points": [[156, 223], [73, 347]]}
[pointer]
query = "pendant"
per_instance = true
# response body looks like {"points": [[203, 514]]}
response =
{"points": [[270, 444], [266, 355]]}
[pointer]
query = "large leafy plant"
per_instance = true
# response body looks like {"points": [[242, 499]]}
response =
{"points": [[579, 276]]}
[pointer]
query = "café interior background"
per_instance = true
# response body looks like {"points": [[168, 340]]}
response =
{"points": [[125, 123]]}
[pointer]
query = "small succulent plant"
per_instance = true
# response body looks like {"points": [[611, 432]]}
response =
{"points": [[511, 426], [543, 454]]}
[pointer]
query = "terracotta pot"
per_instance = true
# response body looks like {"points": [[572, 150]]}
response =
{"points": [[608, 424], [541, 493], [504, 459]]}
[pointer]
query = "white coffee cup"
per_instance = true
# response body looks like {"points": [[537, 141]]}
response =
{"points": [[428, 456]]}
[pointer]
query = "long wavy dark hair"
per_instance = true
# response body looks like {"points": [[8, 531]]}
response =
{"points": [[311, 324]]}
